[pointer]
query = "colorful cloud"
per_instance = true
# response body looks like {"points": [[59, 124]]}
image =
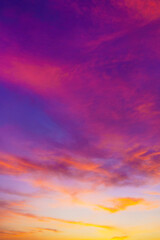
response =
{"points": [[121, 204], [79, 119]]}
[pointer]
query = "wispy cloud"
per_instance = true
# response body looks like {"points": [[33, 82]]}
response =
{"points": [[11, 233], [80, 223], [47, 229], [121, 204], [119, 237], [142, 9], [79, 114], [14, 233]]}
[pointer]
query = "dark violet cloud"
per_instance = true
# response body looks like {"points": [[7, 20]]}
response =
{"points": [[95, 103]]}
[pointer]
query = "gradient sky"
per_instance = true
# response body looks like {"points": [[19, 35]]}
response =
{"points": [[80, 119]]}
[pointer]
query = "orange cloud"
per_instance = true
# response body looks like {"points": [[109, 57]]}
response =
{"points": [[21, 194], [119, 237], [11, 165], [14, 165], [14, 233], [47, 229], [154, 193], [17, 165], [86, 166], [4, 204], [120, 204], [145, 160], [46, 219]]}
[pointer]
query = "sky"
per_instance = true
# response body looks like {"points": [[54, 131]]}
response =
{"points": [[80, 119]]}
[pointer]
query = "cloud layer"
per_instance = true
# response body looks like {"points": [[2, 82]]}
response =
{"points": [[79, 117]]}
